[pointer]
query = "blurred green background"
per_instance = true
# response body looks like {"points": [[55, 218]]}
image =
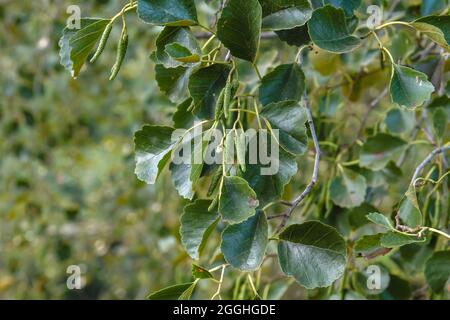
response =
{"points": [[68, 194]]}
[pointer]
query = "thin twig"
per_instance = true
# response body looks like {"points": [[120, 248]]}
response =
{"points": [[428, 159], [315, 174], [264, 35]]}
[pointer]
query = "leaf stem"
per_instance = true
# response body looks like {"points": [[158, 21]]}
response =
{"points": [[394, 23], [257, 71]]}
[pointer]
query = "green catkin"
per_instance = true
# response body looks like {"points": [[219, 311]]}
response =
{"points": [[219, 105], [215, 181], [121, 52], [103, 41], [226, 100]]}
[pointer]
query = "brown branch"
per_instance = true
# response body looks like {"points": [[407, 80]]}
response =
{"points": [[315, 174]]}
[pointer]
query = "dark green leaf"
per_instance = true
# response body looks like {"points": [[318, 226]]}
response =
{"points": [[349, 189], [170, 293], [329, 31], [182, 118], [239, 28], [409, 87], [289, 118], [285, 14], [312, 252], [175, 43], [76, 44], [437, 28], [399, 120], [205, 86], [153, 147], [244, 244], [437, 271], [379, 150], [380, 220], [440, 122], [237, 200], [348, 5], [196, 222], [410, 214], [369, 246], [285, 82], [201, 273], [295, 37], [394, 239], [168, 12], [173, 81]]}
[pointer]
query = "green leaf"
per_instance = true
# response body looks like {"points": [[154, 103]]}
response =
{"points": [[201, 273], [394, 239], [410, 214], [285, 82], [348, 5], [269, 188], [168, 12], [239, 28], [295, 37], [174, 46], [400, 120], [437, 28], [329, 31], [312, 252], [349, 189], [237, 200], [76, 44], [170, 293], [440, 122], [379, 150], [153, 147], [357, 216], [173, 81], [409, 87], [369, 246], [186, 175], [437, 271], [244, 244], [196, 225], [380, 220], [289, 118], [205, 86], [182, 118], [181, 53], [187, 294], [284, 14]]}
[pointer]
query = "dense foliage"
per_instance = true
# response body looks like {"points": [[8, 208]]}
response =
{"points": [[358, 108]]}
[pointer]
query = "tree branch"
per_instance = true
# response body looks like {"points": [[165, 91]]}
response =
{"points": [[428, 159], [294, 204]]}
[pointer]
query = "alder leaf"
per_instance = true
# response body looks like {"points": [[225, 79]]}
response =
{"points": [[196, 225], [410, 214], [409, 87], [348, 5], [437, 271], [183, 118], [370, 247], [201, 273], [244, 244], [153, 148], [270, 187], [329, 31], [349, 189], [379, 150], [237, 200], [313, 253], [175, 43], [437, 28], [76, 44], [239, 28], [168, 12], [289, 118], [285, 82], [205, 86], [170, 293], [284, 14], [394, 239], [295, 37], [400, 120], [381, 220], [173, 81]]}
